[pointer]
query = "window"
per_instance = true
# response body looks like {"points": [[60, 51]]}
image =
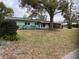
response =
{"points": [[28, 23], [36, 23], [25, 23], [43, 25]]}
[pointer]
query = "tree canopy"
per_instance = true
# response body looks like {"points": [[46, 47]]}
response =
{"points": [[4, 11], [9, 12], [7, 27], [49, 5], [39, 15]]}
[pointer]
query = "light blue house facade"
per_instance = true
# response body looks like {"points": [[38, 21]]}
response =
{"points": [[32, 23], [24, 24], [29, 24]]}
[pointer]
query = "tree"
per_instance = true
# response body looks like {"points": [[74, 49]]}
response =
{"points": [[37, 15], [4, 11], [69, 13], [74, 18], [49, 5], [9, 12], [2, 7], [7, 27]]}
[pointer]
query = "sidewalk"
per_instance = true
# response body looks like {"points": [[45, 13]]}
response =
{"points": [[72, 55]]}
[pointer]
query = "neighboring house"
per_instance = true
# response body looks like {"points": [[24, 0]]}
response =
{"points": [[30, 24]]}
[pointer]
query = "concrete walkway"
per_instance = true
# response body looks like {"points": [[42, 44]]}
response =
{"points": [[72, 55]]}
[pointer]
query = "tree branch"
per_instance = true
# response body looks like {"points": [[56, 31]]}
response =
{"points": [[57, 12]]}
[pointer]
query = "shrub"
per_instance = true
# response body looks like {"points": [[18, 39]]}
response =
{"points": [[9, 38], [75, 25], [8, 30], [58, 26], [8, 27]]}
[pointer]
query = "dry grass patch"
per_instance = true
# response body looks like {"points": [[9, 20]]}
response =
{"points": [[43, 44]]}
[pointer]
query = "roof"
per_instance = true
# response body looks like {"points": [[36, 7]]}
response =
{"points": [[20, 19], [49, 22], [45, 21], [14, 18], [26, 19]]}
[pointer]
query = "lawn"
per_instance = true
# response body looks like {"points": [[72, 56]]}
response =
{"points": [[44, 44]]}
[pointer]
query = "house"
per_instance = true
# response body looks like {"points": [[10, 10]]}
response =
{"points": [[24, 23]]}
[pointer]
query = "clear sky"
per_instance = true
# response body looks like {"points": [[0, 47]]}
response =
{"points": [[20, 12]]}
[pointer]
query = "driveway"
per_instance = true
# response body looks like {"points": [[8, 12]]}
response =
{"points": [[72, 55]]}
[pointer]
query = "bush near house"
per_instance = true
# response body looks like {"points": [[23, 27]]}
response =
{"points": [[9, 38], [8, 29], [75, 25], [58, 26]]}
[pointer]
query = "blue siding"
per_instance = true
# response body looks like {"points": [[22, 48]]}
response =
{"points": [[31, 25], [20, 24]]}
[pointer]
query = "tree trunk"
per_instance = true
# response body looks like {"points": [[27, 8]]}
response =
{"points": [[69, 24], [51, 23]]}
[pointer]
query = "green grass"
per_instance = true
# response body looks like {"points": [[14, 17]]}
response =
{"points": [[44, 44]]}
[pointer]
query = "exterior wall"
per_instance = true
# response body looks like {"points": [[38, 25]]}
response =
{"points": [[31, 25], [20, 24], [35, 25], [38, 26], [44, 26]]}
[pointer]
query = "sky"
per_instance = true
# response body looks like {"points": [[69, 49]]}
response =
{"points": [[20, 12], [14, 4]]}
